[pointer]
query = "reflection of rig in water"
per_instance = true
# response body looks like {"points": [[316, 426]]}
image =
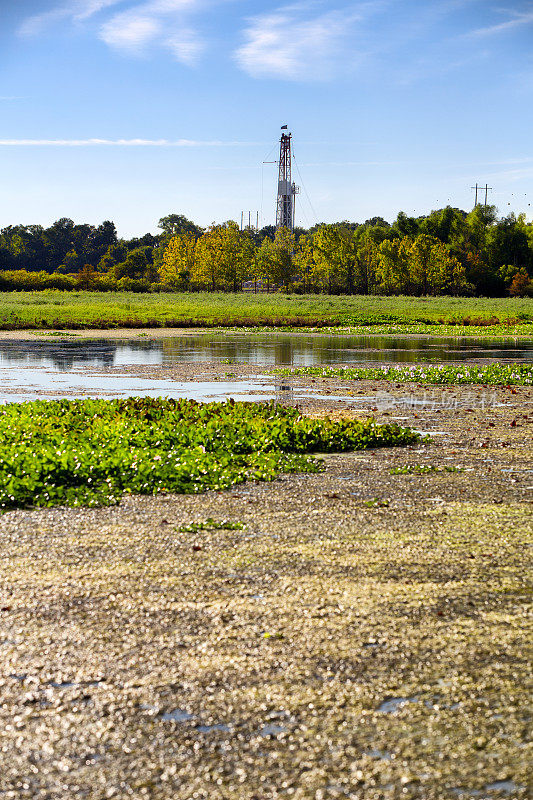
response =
{"points": [[284, 391]]}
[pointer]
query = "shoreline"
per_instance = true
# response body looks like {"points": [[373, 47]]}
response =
{"points": [[435, 331]]}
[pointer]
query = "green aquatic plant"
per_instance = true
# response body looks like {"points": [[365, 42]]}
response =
{"points": [[211, 524], [423, 469], [488, 374], [90, 452]]}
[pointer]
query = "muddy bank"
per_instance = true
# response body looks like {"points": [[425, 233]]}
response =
{"points": [[101, 333], [364, 636]]}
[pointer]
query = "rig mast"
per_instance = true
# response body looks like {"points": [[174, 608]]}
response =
{"points": [[287, 190]]}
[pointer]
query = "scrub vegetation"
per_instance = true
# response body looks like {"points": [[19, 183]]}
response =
{"points": [[91, 452]]}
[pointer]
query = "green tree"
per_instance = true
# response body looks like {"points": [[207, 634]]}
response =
{"points": [[224, 256], [178, 261], [276, 258], [333, 259], [175, 224], [366, 263], [115, 254], [137, 266], [393, 265]]}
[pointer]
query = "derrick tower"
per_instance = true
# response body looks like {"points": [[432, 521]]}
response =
{"points": [[287, 190]]}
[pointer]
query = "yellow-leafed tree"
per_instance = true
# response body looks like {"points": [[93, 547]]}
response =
{"points": [[224, 256], [178, 261]]}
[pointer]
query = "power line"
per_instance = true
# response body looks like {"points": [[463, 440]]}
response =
{"points": [[485, 188]]}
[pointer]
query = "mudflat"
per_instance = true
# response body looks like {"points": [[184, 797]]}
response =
{"points": [[364, 635]]}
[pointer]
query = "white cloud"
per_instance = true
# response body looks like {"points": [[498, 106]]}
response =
{"points": [[186, 46], [117, 143], [76, 11], [157, 22], [287, 44], [130, 33], [160, 23], [517, 21]]}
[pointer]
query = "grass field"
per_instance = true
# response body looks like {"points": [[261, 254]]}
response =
{"points": [[77, 310]]}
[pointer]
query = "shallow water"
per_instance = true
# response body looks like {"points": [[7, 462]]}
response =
{"points": [[268, 349], [22, 384], [31, 370], [30, 383]]}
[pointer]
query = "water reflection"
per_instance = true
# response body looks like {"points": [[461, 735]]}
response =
{"points": [[266, 349]]}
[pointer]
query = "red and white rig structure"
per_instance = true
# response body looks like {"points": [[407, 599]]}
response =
{"points": [[287, 190]]}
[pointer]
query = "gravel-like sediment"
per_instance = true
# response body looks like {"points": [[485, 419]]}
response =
{"points": [[364, 636]]}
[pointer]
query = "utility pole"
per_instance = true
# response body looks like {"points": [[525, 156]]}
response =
{"points": [[249, 220], [287, 190], [486, 188]]}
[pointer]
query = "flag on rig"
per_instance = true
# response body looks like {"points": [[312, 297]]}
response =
{"points": [[284, 127]]}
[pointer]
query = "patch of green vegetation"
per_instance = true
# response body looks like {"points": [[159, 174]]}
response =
{"points": [[423, 469], [376, 503], [440, 329], [90, 452], [212, 524], [83, 309], [489, 374]]}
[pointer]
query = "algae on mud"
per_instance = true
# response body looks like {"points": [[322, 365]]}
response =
{"points": [[144, 661]]}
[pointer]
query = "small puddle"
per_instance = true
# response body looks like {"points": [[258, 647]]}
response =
{"points": [[62, 685], [210, 728], [392, 704], [500, 787], [177, 715], [272, 730], [72, 684], [382, 755]]}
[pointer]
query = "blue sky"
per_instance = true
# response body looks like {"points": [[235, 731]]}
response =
{"points": [[132, 109]]}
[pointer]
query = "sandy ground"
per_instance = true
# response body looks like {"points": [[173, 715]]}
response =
{"points": [[364, 636]]}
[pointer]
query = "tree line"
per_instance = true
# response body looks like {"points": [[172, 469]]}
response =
{"points": [[448, 251]]}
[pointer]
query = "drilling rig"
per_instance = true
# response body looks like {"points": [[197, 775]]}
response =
{"points": [[287, 190]]}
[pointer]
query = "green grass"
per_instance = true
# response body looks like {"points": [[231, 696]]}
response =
{"points": [[71, 310], [489, 375], [90, 452]]}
